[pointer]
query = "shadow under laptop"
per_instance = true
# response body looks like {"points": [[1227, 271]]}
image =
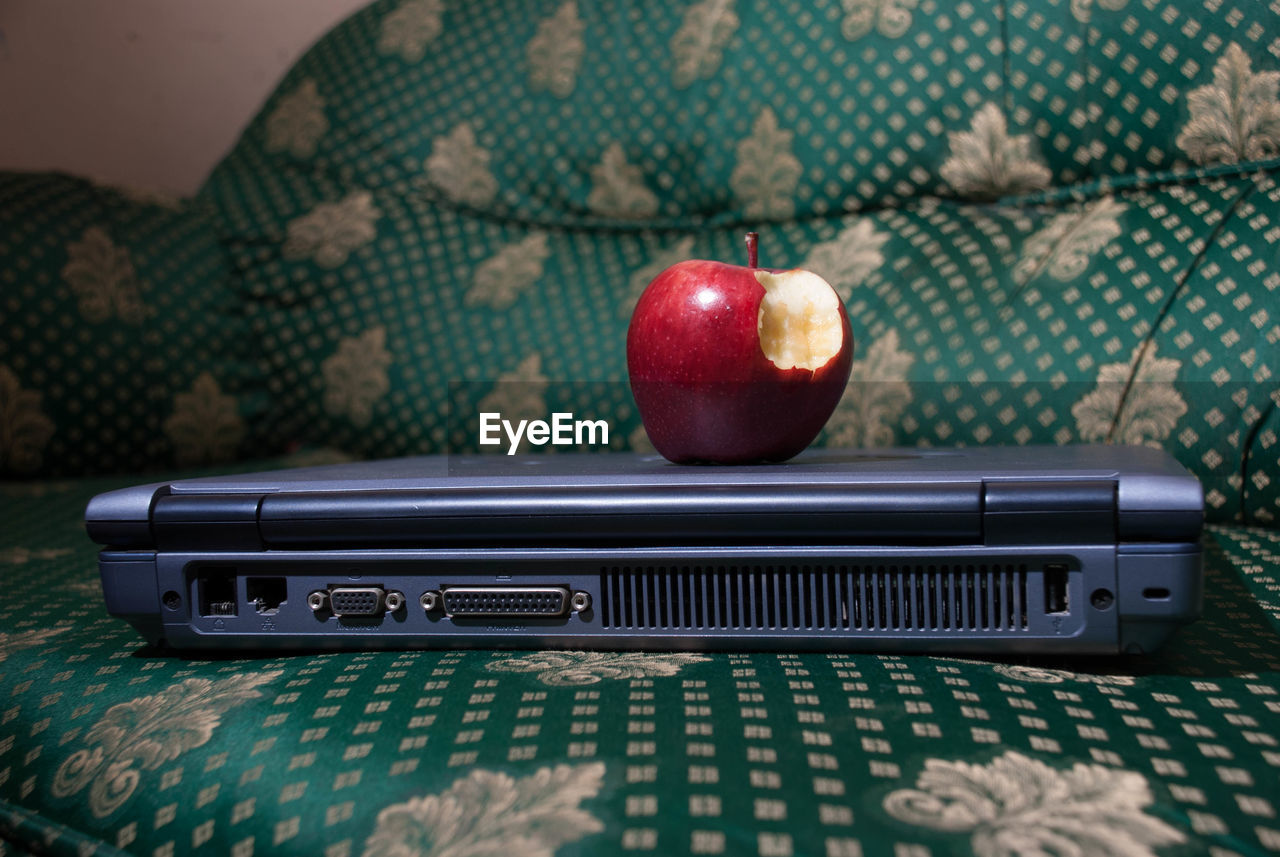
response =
{"points": [[1234, 638]]}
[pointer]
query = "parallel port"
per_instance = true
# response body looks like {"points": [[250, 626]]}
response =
{"points": [[509, 601]]}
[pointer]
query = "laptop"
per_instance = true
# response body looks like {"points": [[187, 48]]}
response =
{"points": [[992, 550]]}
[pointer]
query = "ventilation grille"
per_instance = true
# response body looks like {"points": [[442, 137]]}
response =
{"points": [[979, 597]]}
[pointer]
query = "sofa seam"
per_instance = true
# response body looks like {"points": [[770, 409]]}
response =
{"points": [[70, 841], [1245, 456], [1075, 192], [1192, 267]]}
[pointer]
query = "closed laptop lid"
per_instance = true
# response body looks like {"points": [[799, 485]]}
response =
{"points": [[986, 495]]}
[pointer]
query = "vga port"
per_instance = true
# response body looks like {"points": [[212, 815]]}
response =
{"points": [[357, 600], [509, 601]]}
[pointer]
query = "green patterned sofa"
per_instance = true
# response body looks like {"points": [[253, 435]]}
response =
{"points": [[1053, 221]]}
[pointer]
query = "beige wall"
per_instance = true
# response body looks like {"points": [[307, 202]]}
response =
{"points": [[143, 92]]}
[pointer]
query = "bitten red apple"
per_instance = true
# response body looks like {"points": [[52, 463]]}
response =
{"points": [[735, 365]]}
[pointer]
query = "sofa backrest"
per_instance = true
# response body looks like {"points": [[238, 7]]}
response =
{"points": [[123, 348], [1051, 222], [677, 113]]}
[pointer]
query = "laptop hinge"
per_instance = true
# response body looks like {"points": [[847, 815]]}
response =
{"points": [[1049, 512], [207, 522]]}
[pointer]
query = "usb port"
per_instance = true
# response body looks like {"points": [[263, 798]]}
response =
{"points": [[1055, 588]]}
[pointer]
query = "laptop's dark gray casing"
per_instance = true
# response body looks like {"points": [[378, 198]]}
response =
{"points": [[961, 551]]}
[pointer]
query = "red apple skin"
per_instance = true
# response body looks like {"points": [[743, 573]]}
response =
{"points": [[705, 390]]}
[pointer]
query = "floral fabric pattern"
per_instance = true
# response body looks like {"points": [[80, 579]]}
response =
{"points": [[555, 52], [1018, 805], [515, 268], [24, 427], [298, 122], [891, 18], [23, 555], [19, 640], [412, 26], [1138, 406], [355, 377], [103, 279], [1235, 118], [849, 258], [1064, 248], [1045, 675], [460, 168], [766, 173], [580, 668], [987, 162], [1082, 10], [875, 398], [333, 230], [205, 425], [144, 734], [492, 813], [698, 46], [618, 187]]}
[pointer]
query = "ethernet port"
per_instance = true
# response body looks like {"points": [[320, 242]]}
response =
{"points": [[266, 594], [217, 593]]}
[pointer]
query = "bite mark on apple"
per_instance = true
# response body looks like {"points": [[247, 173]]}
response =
{"points": [[800, 322]]}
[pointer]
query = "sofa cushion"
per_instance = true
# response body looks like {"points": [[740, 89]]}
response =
{"points": [[106, 742], [124, 348]]}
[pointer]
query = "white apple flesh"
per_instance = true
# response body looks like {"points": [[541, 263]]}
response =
{"points": [[800, 320]]}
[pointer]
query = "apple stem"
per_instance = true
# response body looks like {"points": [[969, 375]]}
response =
{"points": [[753, 258]]}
